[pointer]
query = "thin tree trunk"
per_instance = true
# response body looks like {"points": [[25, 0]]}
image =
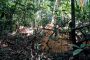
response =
{"points": [[56, 5], [81, 3]]}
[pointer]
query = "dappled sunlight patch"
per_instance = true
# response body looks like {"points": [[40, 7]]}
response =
{"points": [[60, 45]]}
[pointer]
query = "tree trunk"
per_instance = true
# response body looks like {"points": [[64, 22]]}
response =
{"points": [[56, 5]]}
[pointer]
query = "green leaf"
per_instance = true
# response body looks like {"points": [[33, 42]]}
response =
{"points": [[82, 45], [73, 45], [76, 52], [88, 45]]}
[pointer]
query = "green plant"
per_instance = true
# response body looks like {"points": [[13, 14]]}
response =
{"points": [[80, 48]]}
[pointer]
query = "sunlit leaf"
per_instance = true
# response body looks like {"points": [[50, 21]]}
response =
{"points": [[76, 52], [82, 45], [73, 45]]}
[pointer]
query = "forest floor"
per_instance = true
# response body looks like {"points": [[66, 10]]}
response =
{"points": [[21, 47]]}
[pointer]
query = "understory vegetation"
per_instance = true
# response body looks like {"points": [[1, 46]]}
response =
{"points": [[44, 29]]}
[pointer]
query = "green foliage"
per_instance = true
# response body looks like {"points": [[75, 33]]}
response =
{"points": [[83, 45], [73, 45], [76, 52], [16, 11], [82, 13], [23, 11], [80, 48]]}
